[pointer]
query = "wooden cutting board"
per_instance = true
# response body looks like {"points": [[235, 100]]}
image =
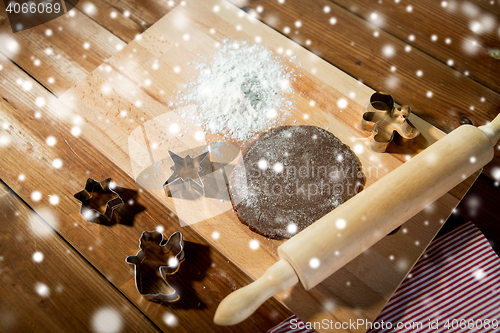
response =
{"points": [[126, 113]]}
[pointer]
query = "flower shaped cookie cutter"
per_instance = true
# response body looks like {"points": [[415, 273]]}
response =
{"points": [[98, 194], [388, 122], [157, 259]]}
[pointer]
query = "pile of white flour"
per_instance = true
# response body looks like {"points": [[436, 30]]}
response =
{"points": [[241, 92]]}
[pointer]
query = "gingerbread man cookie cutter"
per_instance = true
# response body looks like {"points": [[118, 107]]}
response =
{"points": [[151, 260], [388, 122]]}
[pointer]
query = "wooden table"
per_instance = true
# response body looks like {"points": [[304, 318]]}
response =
{"points": [[49, 63]]}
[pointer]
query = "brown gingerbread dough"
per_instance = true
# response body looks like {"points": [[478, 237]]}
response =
{"points": [[290, 177]]}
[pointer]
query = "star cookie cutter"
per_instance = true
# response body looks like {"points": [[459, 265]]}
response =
{"points": [[157, 256], [90, 201], [188, 173], [388, 122]]}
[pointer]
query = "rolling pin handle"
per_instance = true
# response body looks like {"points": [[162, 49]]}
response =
{"points": [[492, 130], [241, 303]]}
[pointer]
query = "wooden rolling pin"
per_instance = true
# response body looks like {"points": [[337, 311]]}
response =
{"points": [[338, 237]]}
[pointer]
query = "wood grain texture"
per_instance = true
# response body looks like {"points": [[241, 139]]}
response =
{"points": [[124, 139], [360, 55], [454, 22], [203, 280], [59, 53], [350, 45], [125, 19], [347, 291], [491, 6], [75, 292]]}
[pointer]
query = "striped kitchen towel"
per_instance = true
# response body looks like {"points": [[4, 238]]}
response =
{"points": [[454, 287]]}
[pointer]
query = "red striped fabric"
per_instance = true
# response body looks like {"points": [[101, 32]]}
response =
{"points": [[454, 287]]}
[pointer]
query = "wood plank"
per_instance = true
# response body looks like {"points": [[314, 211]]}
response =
{"points": [[351, 46], [454, 21], [59, 53], [360, 55], [47, 286], [491, 5], [203, 280], [162, 44], [124, 18]]}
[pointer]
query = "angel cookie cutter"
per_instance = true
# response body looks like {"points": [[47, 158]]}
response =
{"points": [[388, 123], [157, 256]]}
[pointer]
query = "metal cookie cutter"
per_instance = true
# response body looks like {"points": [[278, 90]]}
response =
{"points": [[95, 195], [388, 123], [187, 173], [157, 256]]}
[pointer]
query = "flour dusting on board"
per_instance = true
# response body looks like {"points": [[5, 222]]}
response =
{"points": [[241, 92]]}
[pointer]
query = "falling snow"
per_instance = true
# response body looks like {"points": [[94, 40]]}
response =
{"points": [[170, 319], [57, 163], [358, 149], [54, 199], [314, 263], [76, 131], [9, 44], [42, 289], [340, 224], [278, 167], [4, 140], [40, 102], [388, 51], [262, 164], [479, 274], [173, 262], [342, 103], [36, 196], [254, 244], [37, 257], [107, 320], [89, 8], [292, 228], [110, 320]]}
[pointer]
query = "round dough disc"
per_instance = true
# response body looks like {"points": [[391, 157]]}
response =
{"points": [[290, 177]]}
